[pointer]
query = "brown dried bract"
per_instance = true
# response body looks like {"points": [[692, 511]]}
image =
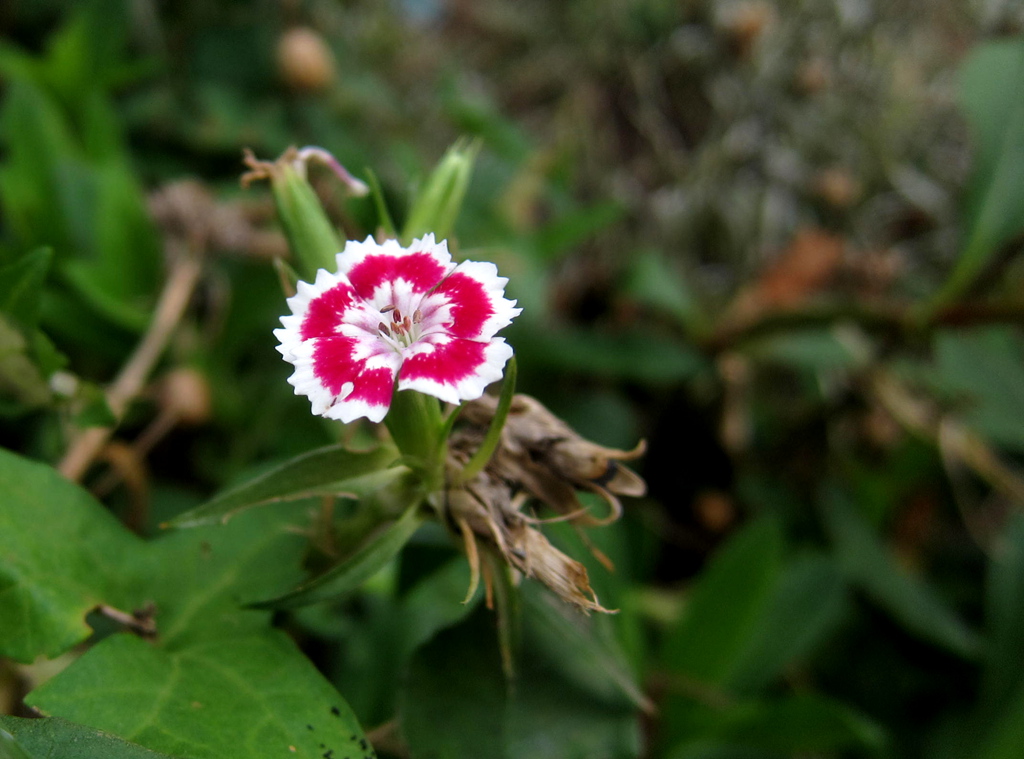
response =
{"points": [[538, 456]]}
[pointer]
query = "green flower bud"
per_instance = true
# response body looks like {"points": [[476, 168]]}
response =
{"points": [[439, 201], [311, 236]]}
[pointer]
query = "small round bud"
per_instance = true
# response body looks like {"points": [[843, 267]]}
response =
{"points": [[186, 393], [304, 61]]}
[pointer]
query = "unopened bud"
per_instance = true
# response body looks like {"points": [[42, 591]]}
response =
{"points": [[186, 393], [304, 60], [438, 203], [311, 236]]}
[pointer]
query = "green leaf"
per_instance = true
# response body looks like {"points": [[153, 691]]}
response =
{"points": [[908, 599], [549, 717], [199, 579], [252, 695], [797, 725], [808, 602], [580, 649], [643, 356], [1003, 667], [453, 704], [984, 368], [575, 227], [654, 283], [61, 554], [435, 604], [21, 285], [328, 470], [357, 569], [992, 98], [55, 737], [10, 748], [725, 607]]}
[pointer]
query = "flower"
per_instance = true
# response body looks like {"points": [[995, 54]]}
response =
{"points": [[395, 313]]}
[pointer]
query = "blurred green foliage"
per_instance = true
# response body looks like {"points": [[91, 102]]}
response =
{"points": [[778, 240]]}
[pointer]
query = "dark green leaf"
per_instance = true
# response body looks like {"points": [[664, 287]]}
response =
{"points": [[725, 608], [641, 355], [992, 97], [355, 570], [55, 737], [909, 599], [453, 704], [807, 604], [1003, 671], [804, 724], [251, 695], [581, 649], [328, 470], [983, 369], [21, 286]]}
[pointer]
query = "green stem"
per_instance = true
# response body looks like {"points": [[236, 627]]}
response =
{"points": [[483, 454]]}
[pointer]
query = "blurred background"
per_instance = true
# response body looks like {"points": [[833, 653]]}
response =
{"points": [[777, 240]]}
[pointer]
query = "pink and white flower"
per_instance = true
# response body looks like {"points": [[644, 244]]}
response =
{"points": [[392, 313]]}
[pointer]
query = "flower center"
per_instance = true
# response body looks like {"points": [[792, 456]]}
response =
{"points": [[401, 331]]}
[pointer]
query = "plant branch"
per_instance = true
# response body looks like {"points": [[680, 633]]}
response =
{"points": [[177, 291]]}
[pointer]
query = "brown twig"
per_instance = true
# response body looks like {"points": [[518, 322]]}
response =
{"points": [[170, 308]]}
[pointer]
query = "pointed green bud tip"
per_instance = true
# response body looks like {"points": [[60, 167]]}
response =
{"points": [[437, 205]]}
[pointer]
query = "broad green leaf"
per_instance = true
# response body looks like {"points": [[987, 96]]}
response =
{"points": [[61, 554], [984, 369], [725, 607], [355, 570], [55, 737], [1003, 667], [908, 599], [992, 98], [328, 470], [200, 579], [808, 602], [21, 285], [252, 695], [454, 700]]}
